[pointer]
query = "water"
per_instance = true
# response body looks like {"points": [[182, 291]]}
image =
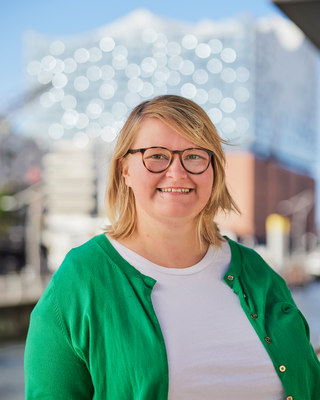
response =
{"points": [[11, 354], [308, 301], [11, 371]]}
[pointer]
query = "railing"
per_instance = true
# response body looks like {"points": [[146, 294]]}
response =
{"points": [[24, 288]]}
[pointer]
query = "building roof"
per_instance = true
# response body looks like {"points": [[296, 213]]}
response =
{"points": [[305, 14]]}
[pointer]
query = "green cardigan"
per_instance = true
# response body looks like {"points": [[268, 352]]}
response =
{"points": [[94, 333]]}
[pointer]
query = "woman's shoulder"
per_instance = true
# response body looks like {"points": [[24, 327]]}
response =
{"points": [[252, 268], [81, 259], [82, 268]]}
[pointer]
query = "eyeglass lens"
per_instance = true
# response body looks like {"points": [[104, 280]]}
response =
{"points": [[195, 160]]}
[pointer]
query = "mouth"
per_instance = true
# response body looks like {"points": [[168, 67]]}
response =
{"points": [[174, 190]]}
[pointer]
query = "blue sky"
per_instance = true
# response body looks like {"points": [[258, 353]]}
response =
{"points": [[68, 17]]}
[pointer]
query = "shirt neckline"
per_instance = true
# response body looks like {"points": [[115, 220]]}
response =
{"points": [[233, 270], [208, 258]]}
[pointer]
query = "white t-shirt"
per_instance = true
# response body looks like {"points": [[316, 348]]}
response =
{"points": [[213, 351]]}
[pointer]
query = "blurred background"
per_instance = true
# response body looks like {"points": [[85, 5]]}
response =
{"points": [[70, 74]]}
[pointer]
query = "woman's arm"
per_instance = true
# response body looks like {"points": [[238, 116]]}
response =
{"points": [[52, 368]]}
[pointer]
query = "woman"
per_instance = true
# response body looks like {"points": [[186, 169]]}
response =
{"points": [[162, 306]]}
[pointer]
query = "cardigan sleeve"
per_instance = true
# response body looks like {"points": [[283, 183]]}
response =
{"points": [[53, 370]]}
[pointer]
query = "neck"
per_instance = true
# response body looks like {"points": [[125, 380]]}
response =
{"points": [[171, 245]]}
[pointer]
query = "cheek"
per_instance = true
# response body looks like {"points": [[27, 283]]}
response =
{"points": [[207, 185], [141, 181]]}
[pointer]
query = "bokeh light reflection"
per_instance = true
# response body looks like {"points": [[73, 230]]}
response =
{"points": [[68, 102], [149, 35], [81, 55], [55, 131], [173, 49], [228, 55], [93, 129], [108, 134], [107, 91], [242, 74], [203, 50], [227, 125], [241, 94], [201, 96], [47, 100], [106, 119], [228, 105], [161, 40], [82, 121], [174, 78], [107, 44], [215, 46], [132, 99], [57, 93], [59, 80], [34, 68], [200, 76], [107, 72], [56, 48], [242, 124], [119, 109], [188, 90], [44, 77], [80, 140], [214, 66], [59, 67], [135, 84], [94, 73], [175, 62], [95, 54], [69, 65], [186, 67], [132, 71], [189, 42], [147, 90], [81, 83], [215, 115], [48, 63], [228, 75]]}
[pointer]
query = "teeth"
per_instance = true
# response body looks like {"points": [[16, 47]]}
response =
{"points": [[175, 190]]}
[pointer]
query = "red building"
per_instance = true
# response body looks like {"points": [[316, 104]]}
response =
{"points": [[258, 186]]}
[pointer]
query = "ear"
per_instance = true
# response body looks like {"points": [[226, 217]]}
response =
{"points": [[124, 167]]}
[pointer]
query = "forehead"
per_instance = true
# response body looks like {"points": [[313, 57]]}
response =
{"points": [[154, 132]]}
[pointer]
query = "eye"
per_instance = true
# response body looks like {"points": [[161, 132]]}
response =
{"points": [[159, 157], [193, 156]]}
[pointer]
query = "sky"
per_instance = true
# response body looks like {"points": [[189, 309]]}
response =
{"points": [[69, 17]]}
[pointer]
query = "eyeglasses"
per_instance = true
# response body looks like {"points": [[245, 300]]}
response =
{"points": [[158, 159]]}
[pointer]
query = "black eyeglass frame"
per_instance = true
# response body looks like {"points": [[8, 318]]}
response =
{"points": [[172, 152]]}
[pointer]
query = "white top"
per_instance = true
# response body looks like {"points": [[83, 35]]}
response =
{"points": [[213, 351]]}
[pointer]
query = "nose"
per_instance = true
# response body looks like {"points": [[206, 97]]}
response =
{"points": [[176, 169]]}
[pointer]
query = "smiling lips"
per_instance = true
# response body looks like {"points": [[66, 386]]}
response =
{"points": [[173, 190]]}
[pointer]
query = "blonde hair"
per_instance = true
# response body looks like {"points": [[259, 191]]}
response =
{"points": [[190, 121]]}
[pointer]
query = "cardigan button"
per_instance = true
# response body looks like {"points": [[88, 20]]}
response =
{"points": [[282, 368], [289, 398], [230, 278], [254, 316], [148, 282], [268, 340]]}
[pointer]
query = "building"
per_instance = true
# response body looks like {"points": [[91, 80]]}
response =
{"points": [[255, 79], [263, 186]]}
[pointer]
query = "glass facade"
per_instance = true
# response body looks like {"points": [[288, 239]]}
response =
{"points": [[231, 68]]}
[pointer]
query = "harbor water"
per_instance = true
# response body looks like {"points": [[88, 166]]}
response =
{"points": [[11, 354]]}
